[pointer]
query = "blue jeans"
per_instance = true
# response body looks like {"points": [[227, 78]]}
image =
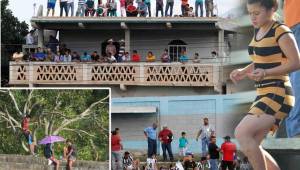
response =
{"points": [[63, 6], [116, 160], [213, 164], [149, 8], [167, 147], [71, 6], [293, 120], [169, 5], [80, 10], [204, 142], [197, 5], [152, 146]]}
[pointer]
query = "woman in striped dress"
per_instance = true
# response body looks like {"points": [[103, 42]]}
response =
{"points": [[274, 54]]}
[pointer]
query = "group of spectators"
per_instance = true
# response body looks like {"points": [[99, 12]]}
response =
{"points": [[127, 8], [55, 51], [210, 154]]}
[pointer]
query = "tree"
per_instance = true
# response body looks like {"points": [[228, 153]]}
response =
{"points": [[79, 115], [12, 36]]}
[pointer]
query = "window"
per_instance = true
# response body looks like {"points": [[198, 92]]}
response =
{"points": [[175, 48]]}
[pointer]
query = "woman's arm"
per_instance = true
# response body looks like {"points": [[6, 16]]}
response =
{"points": [[289, 47]]}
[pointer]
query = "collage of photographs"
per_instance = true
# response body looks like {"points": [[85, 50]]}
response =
{"points": [[150, 85]]}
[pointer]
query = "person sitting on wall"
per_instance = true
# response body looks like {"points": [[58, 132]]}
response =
{"points": [[196, 58], [165, 57], [17, 56], [150, 57], [183, 57], [142, 9], [131, 10], [126, 57], [188, 162], [75, 57], [95, 56], [191, 12], [85, 57], [49, 55], [68, 56], [111, 58], [129, 163], [101, 9], [40, 55], [57, 57], [90, 10], [135, 56]]}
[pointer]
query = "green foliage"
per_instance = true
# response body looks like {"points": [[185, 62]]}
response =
{"points": [[12, 36], [51, 111]]}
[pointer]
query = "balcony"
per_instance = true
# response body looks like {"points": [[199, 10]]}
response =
{"points": [[137, 74]]}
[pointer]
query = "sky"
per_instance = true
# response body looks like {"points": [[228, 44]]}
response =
{"points": [[24, 9]]}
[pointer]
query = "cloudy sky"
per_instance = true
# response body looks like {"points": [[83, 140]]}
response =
{"points": [[24, 10]]}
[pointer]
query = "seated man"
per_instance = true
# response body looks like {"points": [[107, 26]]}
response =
{"points": [[189, 163], [151, 163], [165, 56], [90, 10], [40, 55], [142, 9], [129, 163], [131, 10], [85, 57]]}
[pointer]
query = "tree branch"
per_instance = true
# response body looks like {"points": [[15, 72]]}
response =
{"points": [[80, 116], [15, 102], [26, 106]]}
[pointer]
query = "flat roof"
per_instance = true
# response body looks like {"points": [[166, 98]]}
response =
{"points": [[210, 23]]}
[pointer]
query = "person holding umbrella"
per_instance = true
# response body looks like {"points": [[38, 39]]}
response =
{"points": [[49, 154], [48, 150]]}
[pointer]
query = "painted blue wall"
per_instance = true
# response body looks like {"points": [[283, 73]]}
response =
{"points": [[176, 106]]}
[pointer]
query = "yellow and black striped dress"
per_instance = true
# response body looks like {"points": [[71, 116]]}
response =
{"points": [[274, 94]]}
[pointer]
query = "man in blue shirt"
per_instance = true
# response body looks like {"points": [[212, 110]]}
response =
{"points": [[151, 135]]}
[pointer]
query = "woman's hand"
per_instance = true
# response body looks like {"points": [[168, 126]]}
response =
{"points": [[237, 75], [257, 75]]}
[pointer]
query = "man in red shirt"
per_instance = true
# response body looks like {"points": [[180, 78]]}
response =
{"points": [[228, 149], [116, 147], [25, 123], [166, 136]]}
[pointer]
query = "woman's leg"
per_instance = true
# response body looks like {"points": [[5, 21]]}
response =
{"points": [[270, 162], [245, 133]]}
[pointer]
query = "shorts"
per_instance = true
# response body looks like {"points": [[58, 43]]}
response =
{"points": [[130, 167], [50, 5], [72, 158], [227, 164]]}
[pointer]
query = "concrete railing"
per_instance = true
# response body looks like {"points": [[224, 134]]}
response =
{"points": [[139, 74], [21, 162]]}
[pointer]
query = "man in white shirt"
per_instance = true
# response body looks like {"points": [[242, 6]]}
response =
{"points": [[29, 38], [205, 133]]}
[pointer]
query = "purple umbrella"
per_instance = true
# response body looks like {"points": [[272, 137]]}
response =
{"points": [[51, 139]]}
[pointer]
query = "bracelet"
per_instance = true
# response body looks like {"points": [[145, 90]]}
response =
{"points": [[264, 73]]}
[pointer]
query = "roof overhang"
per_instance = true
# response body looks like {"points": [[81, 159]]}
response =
{"points": [[133, 109], [134, 23]]}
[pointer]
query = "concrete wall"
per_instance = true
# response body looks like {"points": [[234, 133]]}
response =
{"points": [[181, 113], [21, 162]]}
